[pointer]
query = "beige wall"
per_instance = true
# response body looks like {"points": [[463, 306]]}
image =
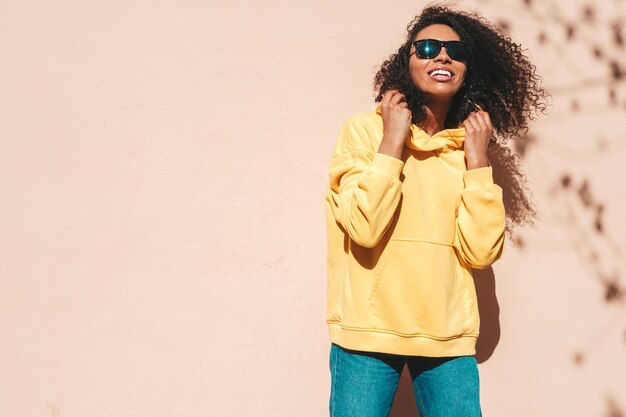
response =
{"points": [[162, 172]]}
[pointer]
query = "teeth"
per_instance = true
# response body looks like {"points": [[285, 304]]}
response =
{"points": [[441, 72]]}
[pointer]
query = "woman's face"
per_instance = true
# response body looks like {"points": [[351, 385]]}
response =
{"points": [[437, 86]]}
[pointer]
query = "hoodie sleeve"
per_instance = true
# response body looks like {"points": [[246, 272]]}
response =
{"points": [[480, 221], [365, 186]]}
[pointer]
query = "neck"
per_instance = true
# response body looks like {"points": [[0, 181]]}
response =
{"points": [[436, 112]]}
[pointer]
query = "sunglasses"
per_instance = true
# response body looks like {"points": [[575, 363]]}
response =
{"points": [[430, 48]]}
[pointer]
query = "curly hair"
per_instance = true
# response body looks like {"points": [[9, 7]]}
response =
{"points": [[499, 78]]}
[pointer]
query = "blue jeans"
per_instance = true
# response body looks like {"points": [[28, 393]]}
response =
{"points": [[363, 384]]}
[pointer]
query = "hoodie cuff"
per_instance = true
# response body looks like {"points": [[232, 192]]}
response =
{"points": [[478, 177]]}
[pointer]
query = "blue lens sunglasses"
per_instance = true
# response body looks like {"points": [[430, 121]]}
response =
{"points": [[430, 48]]}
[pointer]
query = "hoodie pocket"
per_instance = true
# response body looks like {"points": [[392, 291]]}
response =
{"points": [[417, 291]]}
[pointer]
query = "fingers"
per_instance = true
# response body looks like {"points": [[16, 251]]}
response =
{"points": [[396, 116], [394, 100], [403, 104], [487, 120], [387, 97], [470, 123], [484, 120], [479, 121], [393, 97], [397, 98]]}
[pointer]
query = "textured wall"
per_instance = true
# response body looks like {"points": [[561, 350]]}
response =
{"points": [[162, 172]]}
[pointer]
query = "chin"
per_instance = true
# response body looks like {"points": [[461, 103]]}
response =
{"points": [[439, 91], [441, 94]]}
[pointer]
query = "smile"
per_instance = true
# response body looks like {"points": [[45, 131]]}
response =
{"points": [[440, 71], [441, 74]]}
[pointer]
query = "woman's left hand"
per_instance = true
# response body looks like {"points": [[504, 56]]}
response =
{"points": [[478, 131]]}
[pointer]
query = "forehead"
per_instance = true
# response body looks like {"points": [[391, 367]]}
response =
{"points": [[438, 31]]}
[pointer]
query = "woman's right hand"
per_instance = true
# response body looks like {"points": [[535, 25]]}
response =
{"points": [[396, 123]]}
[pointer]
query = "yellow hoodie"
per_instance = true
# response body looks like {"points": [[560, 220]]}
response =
{"points": [[402, 237]]}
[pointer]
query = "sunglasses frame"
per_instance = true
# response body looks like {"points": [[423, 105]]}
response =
{"points": [[452, 53]]}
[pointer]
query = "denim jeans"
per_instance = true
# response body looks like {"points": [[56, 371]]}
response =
{"points": [[363, 384]]}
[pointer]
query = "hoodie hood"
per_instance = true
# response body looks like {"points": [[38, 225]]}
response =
{"points": [[447, 139]]}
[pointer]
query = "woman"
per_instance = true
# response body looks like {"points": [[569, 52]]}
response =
{"points": [[412, 207]]}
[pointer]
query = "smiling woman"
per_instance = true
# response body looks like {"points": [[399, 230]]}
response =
{"points": [[412, 207]]}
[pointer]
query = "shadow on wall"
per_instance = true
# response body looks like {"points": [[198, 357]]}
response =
{"points": [[485, 282], [489, 309], [404, 401]]}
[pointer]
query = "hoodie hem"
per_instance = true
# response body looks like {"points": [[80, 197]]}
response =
{"points": [[370, 340]]}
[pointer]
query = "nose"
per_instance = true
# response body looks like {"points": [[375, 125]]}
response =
{"points": [[443, 56]]}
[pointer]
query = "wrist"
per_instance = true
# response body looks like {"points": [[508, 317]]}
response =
{"points": [[474, 162], [391, 147]]}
